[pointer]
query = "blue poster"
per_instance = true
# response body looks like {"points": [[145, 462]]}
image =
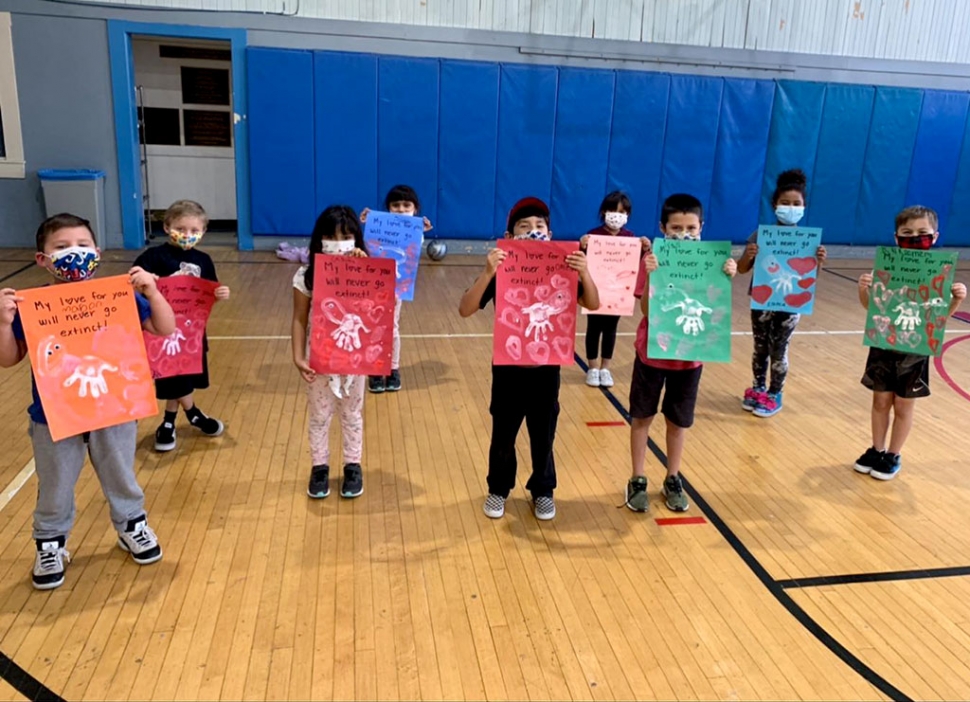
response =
{"points": [[397, 237], [786, 269]]}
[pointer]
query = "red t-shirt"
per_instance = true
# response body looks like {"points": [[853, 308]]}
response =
{"points": [[641, 341], [603, 231]]}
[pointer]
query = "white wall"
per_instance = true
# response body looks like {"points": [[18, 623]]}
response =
{"points": [[917, 30], [202, 173]]}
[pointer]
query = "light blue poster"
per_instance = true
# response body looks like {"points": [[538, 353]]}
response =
{"points": [[397, 237], [786, 269]]}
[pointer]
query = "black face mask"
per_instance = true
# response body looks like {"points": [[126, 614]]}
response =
{"points": [[923, 242]]}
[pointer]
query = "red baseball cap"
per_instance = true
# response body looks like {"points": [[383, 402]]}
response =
{"points": [[526, 207]]}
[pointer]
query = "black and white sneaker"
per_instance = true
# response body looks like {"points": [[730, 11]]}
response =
{"points": [[887, 468], [376, 384], [392, 383], [494, 507], [319, 482], [353, 485], [544, 507], [140, 541], [50, 563], [207, 425], [867, 461], [165, 437]]}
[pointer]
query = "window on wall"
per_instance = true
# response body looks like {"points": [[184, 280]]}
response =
{"points": [[11, 145]]}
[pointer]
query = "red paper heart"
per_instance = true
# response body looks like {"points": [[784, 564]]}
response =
{"points": [[924, 292], [806, 283], [934, 345], [563, 347], [937, 284], [803, 265], [512, 319], [871, 333], [940, 322], [513, 347], [538, 351], [797, 300], [761, 293], [883, 276], [892, 336]]}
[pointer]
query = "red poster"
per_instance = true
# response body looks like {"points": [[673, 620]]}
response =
{"points": [[535, 304], [352, 315], [180, 353]]}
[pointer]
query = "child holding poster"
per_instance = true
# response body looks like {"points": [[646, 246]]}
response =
{"points": [[615, 210], [185, 224], [680, 218], [401, 199], [896, 378], [529, 392], [337, 232], [67, 250], [772, 330]]}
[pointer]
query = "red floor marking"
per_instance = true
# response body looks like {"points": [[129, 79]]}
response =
{"points": [[606, 424], [674, 521], [962, 316], [941, 369]]}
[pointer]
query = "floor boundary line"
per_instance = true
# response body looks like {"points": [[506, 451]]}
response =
{"points": [[878, 577]]}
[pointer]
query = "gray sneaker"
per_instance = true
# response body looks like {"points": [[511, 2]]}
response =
{"points": [[494, 507], [636, 494], [673, 490], [544, 507]]}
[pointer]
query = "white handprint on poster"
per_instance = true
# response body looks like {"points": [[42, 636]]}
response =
{"points": [[180, 353]]}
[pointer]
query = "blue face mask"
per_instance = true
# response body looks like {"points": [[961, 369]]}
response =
{"points": [[789, 214], [74, 263], [535, 235]]}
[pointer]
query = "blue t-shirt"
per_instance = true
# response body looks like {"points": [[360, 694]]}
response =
{"points": [[36, 409]]}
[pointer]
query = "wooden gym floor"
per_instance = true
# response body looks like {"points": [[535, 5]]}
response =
{"points": [[795, 579]]}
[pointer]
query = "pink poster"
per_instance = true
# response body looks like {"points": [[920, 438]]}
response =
{"points": [[535, 304], [613, 263], [180, 353], [352, 315]]}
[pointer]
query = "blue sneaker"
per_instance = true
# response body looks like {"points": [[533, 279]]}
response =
{"points": [[888, 467], [769, 404]]}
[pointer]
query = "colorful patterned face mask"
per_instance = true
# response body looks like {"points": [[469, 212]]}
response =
{"points": [[185, 240], [683, 236], [535, 235], [74, 263], [923, 242], [337, 248]]}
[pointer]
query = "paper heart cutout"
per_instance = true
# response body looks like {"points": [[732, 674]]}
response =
{"points": [[663, 340], [713, 292], [871, 333], [517, 296], [798, 299], [761, 293], [934, 345], [538, 351], [803, 265], [512, 319], [937, 284], [563, 347], [567, 321], [881, 295], [940, 322], [542, 292], [806, 283], [881, 322], [559, 282], [373, 352], [924, 292], [513, 347], [884, 276], [892, 336]]}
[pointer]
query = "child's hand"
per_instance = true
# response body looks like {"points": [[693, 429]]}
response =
{"points": [[577, 261], [363, 215], [959, 291], [143, 281], [645, 245], [730, 267], [494, 260], [865, 281], [8, 306], [650, 263], [222, 292], [358, 253], [821, 254], [584, 241], [309, 375], [751, 250], [427, 225]]}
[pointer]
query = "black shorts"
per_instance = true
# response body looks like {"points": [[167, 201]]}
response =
{"points": [[903, 374], [178, 386], [679, 399]]}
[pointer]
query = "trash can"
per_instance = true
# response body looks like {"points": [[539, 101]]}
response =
{"points": [[79, 192]]}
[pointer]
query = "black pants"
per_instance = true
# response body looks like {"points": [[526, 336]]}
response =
{"points": [[523, 393], [596, 325]]}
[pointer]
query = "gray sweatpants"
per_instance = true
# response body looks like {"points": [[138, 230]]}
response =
{"points": [[58, 465]]}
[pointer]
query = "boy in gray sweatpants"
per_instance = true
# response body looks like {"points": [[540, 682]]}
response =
{"points": [[66, 248]]}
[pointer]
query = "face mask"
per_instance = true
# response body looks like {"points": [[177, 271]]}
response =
{"points": [[683, 236], [615, 220], [789, 214], [338, 248], [535, 235], [923, 242], [74, 263], [185, 240]]}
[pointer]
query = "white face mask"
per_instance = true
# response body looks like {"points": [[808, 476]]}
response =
{"points": [[337, 248], [683, 236], [789, 214], [615, 220], [535, 235]]}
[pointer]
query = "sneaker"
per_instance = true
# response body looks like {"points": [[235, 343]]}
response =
{"points": [[319, 482], [393, 382], [769, 404], [867, 461], [494, 506], [140, 541], [544, 507], [750, 400], [49, 566], [636, 495], [207, 425], [887, 468], [606, 378], [165, 437], [353, 485], [673, 490], [376, 384], [593, 377]]}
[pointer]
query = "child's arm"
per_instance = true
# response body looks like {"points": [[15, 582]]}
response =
{"points": [[162, 321], [301, 318], [591, 295], [730, 268], [12, 349], [746, 262], [821, 254], [865, 282], [959, 292], [471, 301]]}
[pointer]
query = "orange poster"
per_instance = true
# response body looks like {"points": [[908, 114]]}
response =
{"points": [[87, 351]]}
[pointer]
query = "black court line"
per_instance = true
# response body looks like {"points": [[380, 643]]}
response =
{"points": [[773, 586], [888, 576], [18, 271], [24, 683]]}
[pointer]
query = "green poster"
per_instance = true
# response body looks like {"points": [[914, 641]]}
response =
{"points": [[690, 302], [909, 300]]}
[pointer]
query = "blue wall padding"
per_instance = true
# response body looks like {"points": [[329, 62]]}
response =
{"points": [[526, 125], [407, 129], [467, 148], [889, 154], [582, 149], [792, 142], [692, 119], [742, 142], [935, 159], [637, 142], [281, 141], [345, 121], [958, 223], [834, 188]]}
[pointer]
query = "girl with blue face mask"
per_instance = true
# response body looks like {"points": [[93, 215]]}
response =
{"points": [[772, 331]]}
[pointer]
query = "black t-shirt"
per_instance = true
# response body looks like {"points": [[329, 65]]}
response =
{"points": [[489, 294], [166, 260]]}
